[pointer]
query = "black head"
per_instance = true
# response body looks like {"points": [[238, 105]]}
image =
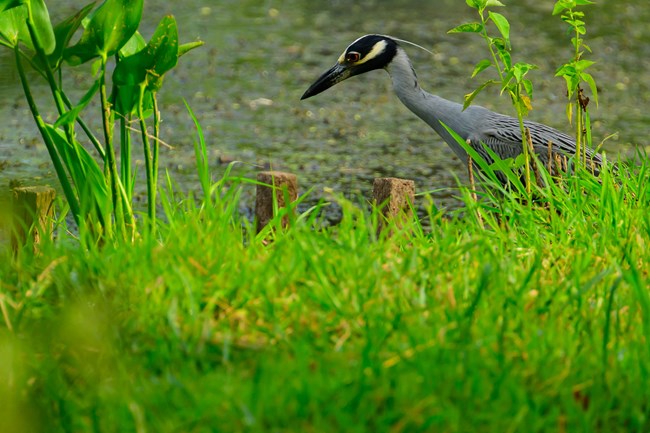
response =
{"points": [[367, 53]]}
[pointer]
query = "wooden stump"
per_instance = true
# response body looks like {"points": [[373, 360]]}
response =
{"points": [[395, 196], [271, 189], [32, 215]]}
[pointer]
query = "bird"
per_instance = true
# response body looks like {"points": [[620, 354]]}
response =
{"points": [[476, 125]]}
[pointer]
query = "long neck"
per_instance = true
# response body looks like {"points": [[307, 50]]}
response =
{"points": [[430, 108]]}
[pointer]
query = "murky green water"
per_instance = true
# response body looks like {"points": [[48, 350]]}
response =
{"points": [[245, 85]]}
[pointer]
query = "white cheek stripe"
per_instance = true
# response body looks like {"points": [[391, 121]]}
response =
{"points": [[377, 49]]}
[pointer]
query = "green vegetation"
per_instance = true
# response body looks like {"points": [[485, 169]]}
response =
{"points": [[536, 323], [574, 74], [99, 199], [504, 316], [512, 77]]}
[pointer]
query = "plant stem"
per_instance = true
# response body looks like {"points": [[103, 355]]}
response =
{"points": [[110, 166], [524, 142], [495, 59], [156, 137], [578, 105], [578, 129], [151, 187], [51, 149], [125, 156]]}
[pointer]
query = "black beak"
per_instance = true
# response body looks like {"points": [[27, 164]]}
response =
{"points": [[335, 75]]}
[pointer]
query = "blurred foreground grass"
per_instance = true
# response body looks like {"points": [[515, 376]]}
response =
{"points": [[538, 322]]}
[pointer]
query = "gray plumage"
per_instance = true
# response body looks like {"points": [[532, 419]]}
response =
{"points": [[475, 124]]}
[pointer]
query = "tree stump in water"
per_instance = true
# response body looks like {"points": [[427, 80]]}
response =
{"points": [[395, 196], [32, 215], [271, 192]]}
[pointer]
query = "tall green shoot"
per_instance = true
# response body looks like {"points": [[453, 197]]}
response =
{"points": [[574, 74], [512, 76]]}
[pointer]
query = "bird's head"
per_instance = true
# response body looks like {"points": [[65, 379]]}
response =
{"points": [[367, 53]]}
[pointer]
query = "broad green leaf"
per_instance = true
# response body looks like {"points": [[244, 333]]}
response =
{"points": [[70, 116], [134, 44], [561, 6], [493, 3], [13, 27], [528, 87], [63, 33], [40, 18], [521, 69], [132, 70], [164, 45], [581, 65], [109, 29], [150, 64], [565, 70], [572, 82], [476, 4], [467, 28], [481, 66], [122, 99], [8, 4], [502, 24], [125, 97], [114, 23], [147, 66]]}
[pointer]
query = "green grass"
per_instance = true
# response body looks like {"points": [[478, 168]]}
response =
{"points": [[537, 322]]}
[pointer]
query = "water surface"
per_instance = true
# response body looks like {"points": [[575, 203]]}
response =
{"points": [[259, 57]]}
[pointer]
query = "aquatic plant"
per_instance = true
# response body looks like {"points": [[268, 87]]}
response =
{"points": [[100, 198]]}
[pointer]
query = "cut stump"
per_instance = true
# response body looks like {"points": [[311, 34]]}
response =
{"points": [[395, 197], [32, 215], [271, 192]]}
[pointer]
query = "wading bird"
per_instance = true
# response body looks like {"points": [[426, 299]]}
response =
{"points": [[476, 125]]}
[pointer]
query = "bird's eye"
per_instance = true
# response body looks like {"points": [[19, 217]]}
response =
{"points": [[352, 57]]}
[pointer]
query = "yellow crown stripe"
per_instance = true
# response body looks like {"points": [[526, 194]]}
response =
{"points": [[377, 49]]}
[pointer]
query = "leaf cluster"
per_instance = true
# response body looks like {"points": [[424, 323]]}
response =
{"points": [[574, 72], [108, 31], [512, 77]]}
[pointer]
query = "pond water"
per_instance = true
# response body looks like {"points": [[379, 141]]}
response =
{"points": [[259, 57]]}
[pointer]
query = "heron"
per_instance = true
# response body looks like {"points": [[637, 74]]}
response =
{"points": [[476, 125]]}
